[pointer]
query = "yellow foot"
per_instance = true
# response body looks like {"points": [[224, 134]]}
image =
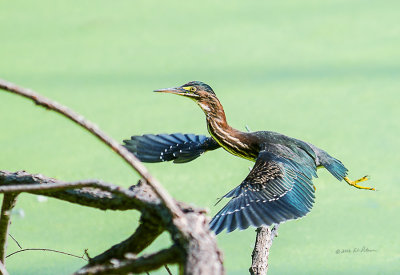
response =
{"points": [[354, 183]]}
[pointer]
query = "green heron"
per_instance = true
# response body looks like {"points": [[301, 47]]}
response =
{"points": [[278, 188]]}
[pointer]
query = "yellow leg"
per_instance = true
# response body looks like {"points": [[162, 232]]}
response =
{"points": [[354, 183]]}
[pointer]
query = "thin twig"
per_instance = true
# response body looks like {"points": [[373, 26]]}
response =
{"points": [[86, 253], [15, 241], [46, 249], [169, 271]]}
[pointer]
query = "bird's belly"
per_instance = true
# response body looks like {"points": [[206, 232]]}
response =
{"points": [[238, 153], [235, 147]]}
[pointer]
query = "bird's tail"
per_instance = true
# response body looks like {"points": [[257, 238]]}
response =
{"points": [[336, 168], [179, 148]]}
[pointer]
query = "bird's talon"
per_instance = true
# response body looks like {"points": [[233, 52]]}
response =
{"points": [[354, 183]]}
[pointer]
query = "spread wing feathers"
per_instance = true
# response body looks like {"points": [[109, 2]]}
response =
{"points": [[277, 189], [177, 147]]}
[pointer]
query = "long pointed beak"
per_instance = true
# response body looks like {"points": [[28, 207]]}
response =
{"points": [[174, 90], [177, 91]]}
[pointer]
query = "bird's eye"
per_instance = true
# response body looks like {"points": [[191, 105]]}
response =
{"points": [[192, 89]]}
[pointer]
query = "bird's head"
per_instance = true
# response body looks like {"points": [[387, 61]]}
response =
{"points": [[195, 90], [200, 92]]}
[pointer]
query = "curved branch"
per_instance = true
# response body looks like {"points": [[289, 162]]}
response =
{"points": [[144, 235], [47, 187], [101, 195], [92, 128], [45, 249], [188, 227], [172, 255], [202, 255]]}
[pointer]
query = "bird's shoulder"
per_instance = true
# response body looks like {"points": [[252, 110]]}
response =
{"points": [[283, 145]]}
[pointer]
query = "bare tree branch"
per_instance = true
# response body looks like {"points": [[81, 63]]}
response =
{"points": [[145, 234], [94, 193], [104, 196], [263, 244], [172, 255], [194, 243], [115, 146], [51, 186], [202, 253], [9, 201]]}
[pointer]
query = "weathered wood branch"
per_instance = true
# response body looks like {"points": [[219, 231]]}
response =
{"points": [[114, 145], [200, 253], [51, 186], [9, 201], [104, 196], [131, 264], [144, 235], [188, 227], [264, 238]]}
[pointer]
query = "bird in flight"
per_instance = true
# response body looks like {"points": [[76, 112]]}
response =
{"points": [[278, 188]]}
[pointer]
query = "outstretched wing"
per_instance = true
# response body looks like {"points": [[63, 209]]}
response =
{"points": [[177, 147], [277, 189]]}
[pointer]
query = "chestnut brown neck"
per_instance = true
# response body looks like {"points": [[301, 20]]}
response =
{"points": [[232, 140]]}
